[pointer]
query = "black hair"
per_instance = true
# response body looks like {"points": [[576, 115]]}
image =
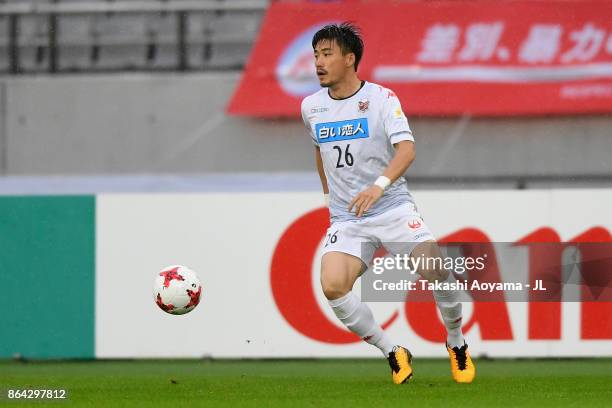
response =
{"points": [[346, 35]]}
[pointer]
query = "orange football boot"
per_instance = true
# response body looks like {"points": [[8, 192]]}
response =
{"points": [[399, 360], [462, 367]]}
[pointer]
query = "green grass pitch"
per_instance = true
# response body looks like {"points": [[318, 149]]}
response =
{"points": [[311, 383]]}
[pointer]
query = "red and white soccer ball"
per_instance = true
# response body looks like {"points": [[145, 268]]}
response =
{"points": [[177, 290]]}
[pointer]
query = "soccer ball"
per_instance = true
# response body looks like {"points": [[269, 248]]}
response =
{"points": [[177, 290]]}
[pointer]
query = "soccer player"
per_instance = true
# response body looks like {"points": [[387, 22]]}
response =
{"points": [[363, 146]]}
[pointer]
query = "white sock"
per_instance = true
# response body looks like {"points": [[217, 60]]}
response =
{"points": [[358, 318], [450, 309]]}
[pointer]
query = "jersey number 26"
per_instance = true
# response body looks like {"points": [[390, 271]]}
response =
{"points": [[348, 157]]}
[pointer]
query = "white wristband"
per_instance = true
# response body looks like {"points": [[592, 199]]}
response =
{"points": [[382, 182], [326, 199]]}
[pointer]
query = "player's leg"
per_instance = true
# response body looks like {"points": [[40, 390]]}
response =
{"points": [[446, 300], [462, 367], [339, 271], [405, 232], [343, 262]]}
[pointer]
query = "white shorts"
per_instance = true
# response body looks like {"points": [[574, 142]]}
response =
{"points": [[399, 230]]}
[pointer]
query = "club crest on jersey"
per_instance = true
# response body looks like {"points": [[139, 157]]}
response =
{"points": [[414, 224], [342, 130], [363, 105]]}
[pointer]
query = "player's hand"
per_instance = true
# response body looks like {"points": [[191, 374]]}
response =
{"points": [[366, 199]]}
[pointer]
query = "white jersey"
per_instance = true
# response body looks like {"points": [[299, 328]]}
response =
{"points": [[356, 136]]}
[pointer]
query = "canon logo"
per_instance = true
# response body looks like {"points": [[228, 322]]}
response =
{"points": [[291, 282]]}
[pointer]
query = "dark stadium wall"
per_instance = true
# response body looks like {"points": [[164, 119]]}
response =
{"points": [[169, 123]]}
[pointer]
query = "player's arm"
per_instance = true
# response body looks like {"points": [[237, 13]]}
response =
{"points": [[321, 172], [318, 158], [403, 158], [397, 129]]}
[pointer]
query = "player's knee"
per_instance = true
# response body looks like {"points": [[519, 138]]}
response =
{"points": [[432, 268], [334, 285], [440, 275], [333, 294], [333, 288], [434, 274], [338, 274]]}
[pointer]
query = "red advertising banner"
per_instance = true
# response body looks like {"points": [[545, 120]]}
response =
{"points": [[444, 58]]}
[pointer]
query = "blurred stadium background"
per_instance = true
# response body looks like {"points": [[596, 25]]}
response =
{"points": [[138, 134]]}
